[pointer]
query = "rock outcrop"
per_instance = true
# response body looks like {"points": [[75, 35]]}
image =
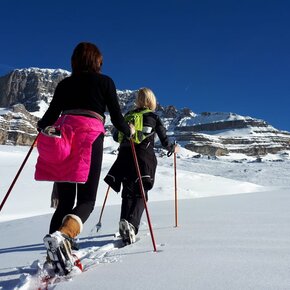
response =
{"points": [[26, 93]]}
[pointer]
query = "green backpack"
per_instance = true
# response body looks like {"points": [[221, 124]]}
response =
{"points": [[135, 118]]}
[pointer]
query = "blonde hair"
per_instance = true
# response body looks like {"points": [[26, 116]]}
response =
{"points": [[145, 99]]}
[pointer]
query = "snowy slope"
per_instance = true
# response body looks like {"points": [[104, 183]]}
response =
{"points": [[238, 237]]}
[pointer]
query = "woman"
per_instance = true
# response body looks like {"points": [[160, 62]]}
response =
{"points": [[124, 172], [77, 110]]}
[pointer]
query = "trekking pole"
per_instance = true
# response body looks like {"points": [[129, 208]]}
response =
{"points": [[99, 224], [175, 190], [142, 191], [175, 183], [18, 173]]}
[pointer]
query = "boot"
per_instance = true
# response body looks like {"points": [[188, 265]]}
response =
{"points": [[58, 244], [127, 232], [71, 226]]}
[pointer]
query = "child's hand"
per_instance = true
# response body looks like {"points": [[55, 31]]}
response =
{"points": [[132, 129], [176, 148]]}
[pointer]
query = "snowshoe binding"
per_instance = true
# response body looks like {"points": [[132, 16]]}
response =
{"points": [[127, 232], [60, 259]]}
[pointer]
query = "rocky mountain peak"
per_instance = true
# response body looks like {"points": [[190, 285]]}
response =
{"points": [[29, 86], [26, 93]]}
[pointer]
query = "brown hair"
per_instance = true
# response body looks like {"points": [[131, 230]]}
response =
{"points": [[86, 57], [145, 99]]}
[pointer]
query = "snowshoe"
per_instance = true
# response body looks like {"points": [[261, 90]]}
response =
{"points": [[73, 243], [127, 232], [59, 252], [49, 267]]}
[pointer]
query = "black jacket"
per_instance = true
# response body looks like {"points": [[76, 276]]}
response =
{"points": [[88, 91], [124, 166]]}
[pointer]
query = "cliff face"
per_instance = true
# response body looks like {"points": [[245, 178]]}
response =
{"points": [[29, 87], [17, 126], [223, 133], [26, 93]]}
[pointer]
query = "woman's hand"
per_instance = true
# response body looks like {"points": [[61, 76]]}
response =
{"points": [[132, 129], [173, 148]]}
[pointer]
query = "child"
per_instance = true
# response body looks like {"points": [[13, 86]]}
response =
{"points": [[124, 172]]}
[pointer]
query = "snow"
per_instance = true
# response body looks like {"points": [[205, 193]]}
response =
{"points": [[212, 117], [3, 111], [43, 106], [233, 226], [48, 71]]}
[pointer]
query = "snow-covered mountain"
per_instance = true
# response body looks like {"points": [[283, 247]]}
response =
{"points": [[207, 133]]}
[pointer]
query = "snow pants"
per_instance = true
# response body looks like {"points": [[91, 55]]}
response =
{"points": [[79, 199], [132, 206]]}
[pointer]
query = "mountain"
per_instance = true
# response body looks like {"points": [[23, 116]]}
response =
{"points": [[25, 95]]}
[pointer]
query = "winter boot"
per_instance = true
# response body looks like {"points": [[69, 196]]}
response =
{"points": [[71, 226], [127, 232], [58, 244]]}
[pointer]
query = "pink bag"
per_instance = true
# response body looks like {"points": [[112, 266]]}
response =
{"points": [[54, 143], [65, 149]]}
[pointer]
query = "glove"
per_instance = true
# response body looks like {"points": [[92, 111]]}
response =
{"points": [[170, 149], [132, 129]]}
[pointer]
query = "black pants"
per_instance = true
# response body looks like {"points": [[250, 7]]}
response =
{"points": [[132, 206], [83, 194]]}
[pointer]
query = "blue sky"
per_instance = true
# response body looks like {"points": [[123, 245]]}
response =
{"points": [[208, 55]]}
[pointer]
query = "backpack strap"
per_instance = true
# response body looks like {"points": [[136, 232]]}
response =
{"points": [[142, 112]]}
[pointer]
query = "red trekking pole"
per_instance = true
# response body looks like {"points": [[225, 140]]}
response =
{"points": [[175, 183], [142, 191], [18, 173], [99, 224], [175, 191]]}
